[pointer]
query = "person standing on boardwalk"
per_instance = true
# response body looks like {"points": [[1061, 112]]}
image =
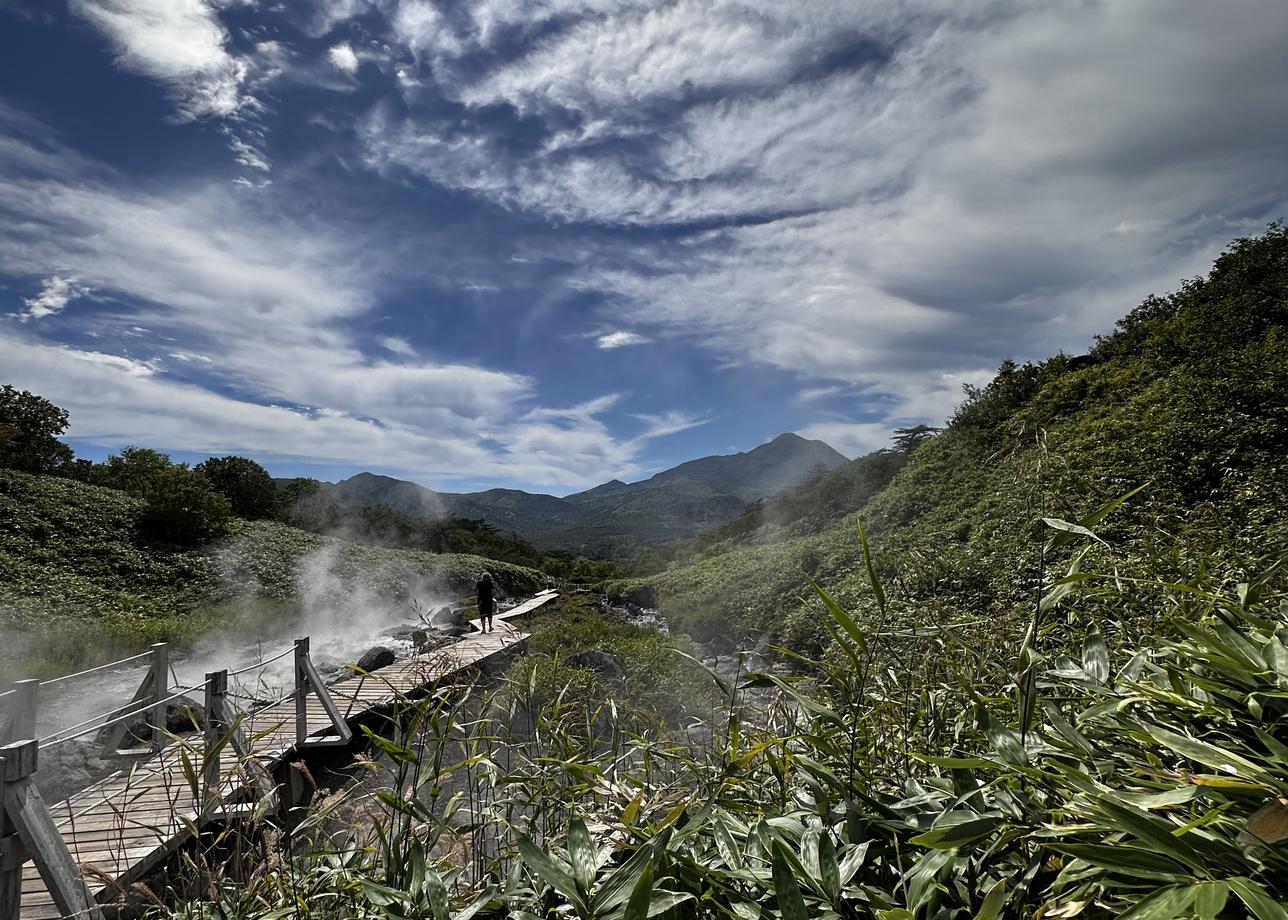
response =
{"points": [[487, 605]]}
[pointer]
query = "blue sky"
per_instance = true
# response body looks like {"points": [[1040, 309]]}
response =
{"points": [[545, 243]]}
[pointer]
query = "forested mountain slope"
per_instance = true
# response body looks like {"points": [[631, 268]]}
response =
{"points": [[615, 519], [1187, 398]]}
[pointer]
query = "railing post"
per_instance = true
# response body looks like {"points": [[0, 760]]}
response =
{"points": [[160, 690], [301, 689], [12, 852], [28, 832], [21, 725], [216, 729]]}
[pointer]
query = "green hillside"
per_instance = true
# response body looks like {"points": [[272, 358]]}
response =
{"points": [[81, 582], [1188, 398]]}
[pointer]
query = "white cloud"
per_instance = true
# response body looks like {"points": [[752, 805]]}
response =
{"points": [[813, 394], [659, 426], [184, 45], [181, 43], [620, 339], [854, 439], [1001, 165], [272, 312], [55, 294], [397, 345], [343, 58]]}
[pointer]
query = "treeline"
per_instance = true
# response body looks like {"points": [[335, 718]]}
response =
{"points": [[190, 505]]}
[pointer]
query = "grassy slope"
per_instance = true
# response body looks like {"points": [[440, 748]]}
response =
{"points": [[1189, 397], [78, 583]]}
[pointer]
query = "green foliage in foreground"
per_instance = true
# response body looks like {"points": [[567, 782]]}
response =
{"points": [[1146, 782], [83, 581]]}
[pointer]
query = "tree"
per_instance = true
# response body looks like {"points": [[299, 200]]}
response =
{"points": [[182, 508], [249, 488], [906, 440], [134, 470], [29, 430]]}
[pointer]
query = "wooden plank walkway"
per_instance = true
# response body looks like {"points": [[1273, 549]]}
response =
{"points": [[124, 826]]}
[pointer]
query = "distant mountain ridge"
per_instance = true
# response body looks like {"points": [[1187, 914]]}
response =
{"points": [[616, 518]]}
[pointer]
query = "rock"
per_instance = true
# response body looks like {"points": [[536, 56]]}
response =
{"points": [[606, 664], [184, 715], [377, 657], [406, 632], [419, 639], [442, 618]]}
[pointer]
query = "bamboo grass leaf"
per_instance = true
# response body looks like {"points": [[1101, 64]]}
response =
{"points": [[581, 853], [994, 901], [791, 905]]}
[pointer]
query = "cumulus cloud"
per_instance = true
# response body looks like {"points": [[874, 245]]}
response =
{"points": [[620, 339], [181, 43], [55, 294], [343, 58]]}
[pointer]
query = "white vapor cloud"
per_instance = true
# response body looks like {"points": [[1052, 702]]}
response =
{"points": [[55, 294]]}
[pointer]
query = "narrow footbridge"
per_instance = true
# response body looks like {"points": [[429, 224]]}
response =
{"points": [[62, 860]]}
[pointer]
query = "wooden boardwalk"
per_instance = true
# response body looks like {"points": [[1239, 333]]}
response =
{"points": [[124, 826]]}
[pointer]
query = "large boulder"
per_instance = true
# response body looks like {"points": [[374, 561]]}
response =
{"points": [[444, 618], [606, 664], [376, 657]]}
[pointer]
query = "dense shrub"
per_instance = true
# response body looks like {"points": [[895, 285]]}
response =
{"points": [[182, 508]]}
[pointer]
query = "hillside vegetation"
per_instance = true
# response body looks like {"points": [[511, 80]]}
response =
{"points": [[81, 579], [1187, 400]]}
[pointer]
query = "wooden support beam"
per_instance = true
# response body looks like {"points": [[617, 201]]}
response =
{"points": [[28, 832], [308, 681], [154, 688]]}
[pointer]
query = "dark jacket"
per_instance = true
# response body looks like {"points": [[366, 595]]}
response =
{"points": [[486, 604]]}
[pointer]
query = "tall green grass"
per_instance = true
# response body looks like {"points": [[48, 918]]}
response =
{"points": [[909, 772]]}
